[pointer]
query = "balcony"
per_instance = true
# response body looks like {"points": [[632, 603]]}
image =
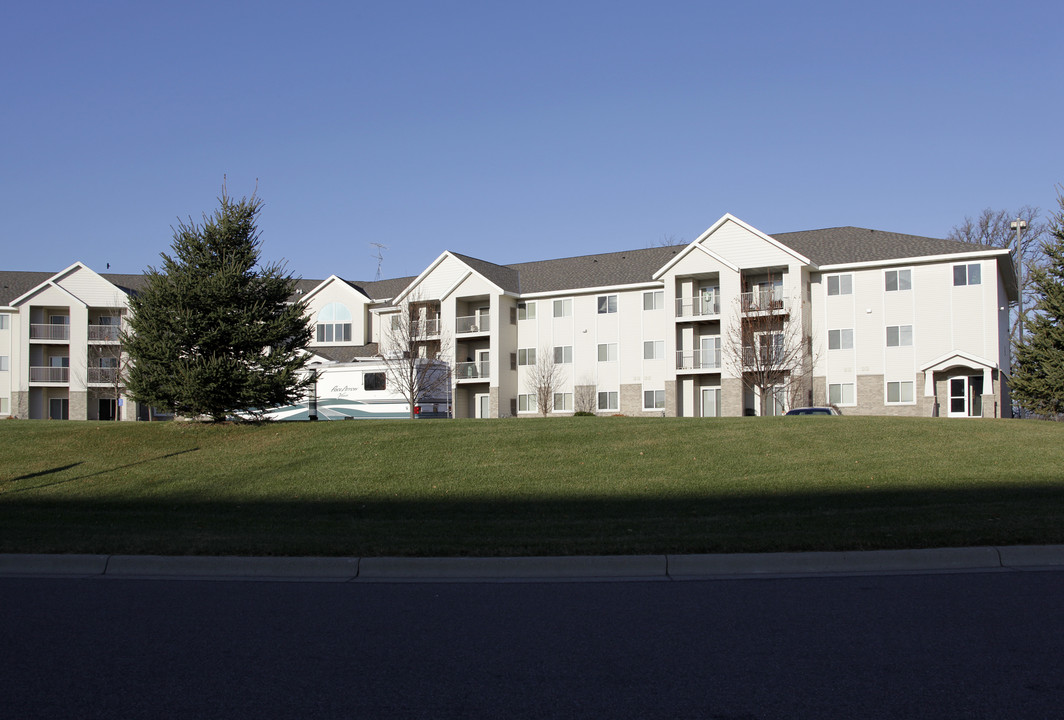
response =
{"points": [[53, 375], [473, 324], [103, 376], [698, 359], [47, 331], [698, 307], [104, 333], [472, 371], [768, 300]]}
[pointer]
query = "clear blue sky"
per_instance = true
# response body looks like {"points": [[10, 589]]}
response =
{"points": [[514, 131]]}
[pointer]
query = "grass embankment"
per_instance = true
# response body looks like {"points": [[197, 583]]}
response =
{"points": [[529, 487]]}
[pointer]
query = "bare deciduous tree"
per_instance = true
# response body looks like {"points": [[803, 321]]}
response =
{"points": [[544, 379], [995, 228], [585, 399], [414, 352], [768, 351]]}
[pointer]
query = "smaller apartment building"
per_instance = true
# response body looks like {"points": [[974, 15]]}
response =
{"points": [[887, 324]]}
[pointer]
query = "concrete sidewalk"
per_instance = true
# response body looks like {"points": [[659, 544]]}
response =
{"points": [[609, 567]]}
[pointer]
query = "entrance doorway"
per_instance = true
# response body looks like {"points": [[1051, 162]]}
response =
{"points": [[108, 409], [711, 402], [58, 409], [966, 396], [482, 405]]}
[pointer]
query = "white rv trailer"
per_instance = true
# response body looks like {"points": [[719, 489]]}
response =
{"points": [[351, 390]]}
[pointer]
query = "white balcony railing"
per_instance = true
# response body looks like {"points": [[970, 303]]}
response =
{"points": [[769, 300], [49, 375], [472, 370], [103, 376], [48, 331], [103, 333], [698, 306], [473, 324], [698, 359]]}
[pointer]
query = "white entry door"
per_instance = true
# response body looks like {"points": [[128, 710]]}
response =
{"points": [[482, 405]]}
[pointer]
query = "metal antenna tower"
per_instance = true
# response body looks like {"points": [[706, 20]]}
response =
{"points": [[380, 258]]}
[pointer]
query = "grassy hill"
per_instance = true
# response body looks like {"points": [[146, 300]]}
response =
{"points": [[530, 486]]}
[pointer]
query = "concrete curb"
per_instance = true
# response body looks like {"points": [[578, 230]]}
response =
{"points": [[606, 567]]}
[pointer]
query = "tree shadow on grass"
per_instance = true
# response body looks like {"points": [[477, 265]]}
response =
{"points": [[94, 474]]}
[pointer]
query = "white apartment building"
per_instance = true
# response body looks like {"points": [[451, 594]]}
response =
{"points": [[889, 324]]}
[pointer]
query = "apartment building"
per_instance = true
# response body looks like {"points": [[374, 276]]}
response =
{"points": [[881, 323]]}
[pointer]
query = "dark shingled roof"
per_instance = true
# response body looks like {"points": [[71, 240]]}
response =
{"points": [[345, 353], [14, 284], [608, 269], [504, 276], [843, 245]]}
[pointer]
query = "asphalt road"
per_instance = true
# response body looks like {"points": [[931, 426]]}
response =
{"points": [[962, 645]]}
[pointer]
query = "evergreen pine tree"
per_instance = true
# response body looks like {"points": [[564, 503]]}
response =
{"points": [[1038, 370], [212, 333]]}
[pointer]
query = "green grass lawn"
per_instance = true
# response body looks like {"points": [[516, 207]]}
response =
{"points": [[529, 487]]}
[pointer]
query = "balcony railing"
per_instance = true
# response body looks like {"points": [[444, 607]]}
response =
{"points": [[472, 370], [104, 333], [765, 356], [103, 376], [473, 324], [767, 300], [49, 375], [698, 306], [48, 331], [698, 359], [427, 327]]}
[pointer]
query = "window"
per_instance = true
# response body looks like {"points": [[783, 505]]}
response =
{"points": [[334, 324], [899, 280], [607, 401], [4, 366], [899, 335], [5, 407], [899, 392], [526, 311], [840, 339], [4, 321], [841, 394], [607, 304], [374, 381], [967, 274], [563, 308], [110, 363], [526, 356], [653, 399], [840, 285], [654, 350], [526, 403], [607, 352], [654, 300], [563, 354], [563, 401]]}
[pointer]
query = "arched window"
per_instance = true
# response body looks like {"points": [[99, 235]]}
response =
{"points": [[334, 323]]}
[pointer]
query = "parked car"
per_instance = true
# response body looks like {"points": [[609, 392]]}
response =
{"points": [[812, 411]]}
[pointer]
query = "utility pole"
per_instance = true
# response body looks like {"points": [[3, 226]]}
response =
{"points": [[1019, 226]]}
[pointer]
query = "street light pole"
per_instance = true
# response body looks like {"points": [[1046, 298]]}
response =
{"points": [[1019, 225]]}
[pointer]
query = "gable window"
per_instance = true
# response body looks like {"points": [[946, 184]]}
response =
{"points": [[607, 352], [334, 324], [563, 354], [899, 335], [840, 339], [607, 401], [654, 300], [841, 394], [899, 280], [654, 350], [374, 381], [899, 392], [607, 304], [526, 356], [840, 285], [563, 308], [526, 311], [967, 274], [653, 399]]}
